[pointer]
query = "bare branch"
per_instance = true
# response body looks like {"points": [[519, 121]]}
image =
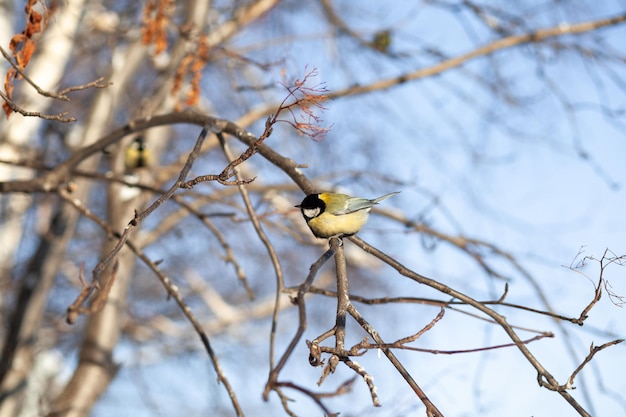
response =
{"points": [[171, 289], [592, 352], [500, 44], [544, 377], [272, 380], [14, 107], [98, 301]]}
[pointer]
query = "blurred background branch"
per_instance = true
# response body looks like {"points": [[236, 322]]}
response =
{"points": [[501, 124]]}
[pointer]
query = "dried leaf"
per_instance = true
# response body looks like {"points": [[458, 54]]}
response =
{"points": [[23, 57], [155, 21], [7, 109]]}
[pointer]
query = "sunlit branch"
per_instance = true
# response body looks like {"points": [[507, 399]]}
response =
{"points": [[544, 377]]}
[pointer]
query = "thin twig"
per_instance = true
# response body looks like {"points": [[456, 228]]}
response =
{"points": [[431, 409], [98, 302], [139, 217], [58, 117], [171, 289], [544, 377], [317, 397], [61, 95], [272, 380], [451, 304], [500, 44], [592, 351], [367, 378], [401, 346]]}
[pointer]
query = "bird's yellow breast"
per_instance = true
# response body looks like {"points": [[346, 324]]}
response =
{"points": [[329, 225]]}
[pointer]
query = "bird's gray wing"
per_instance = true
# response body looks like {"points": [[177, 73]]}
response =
{"points": [[355, 204]]}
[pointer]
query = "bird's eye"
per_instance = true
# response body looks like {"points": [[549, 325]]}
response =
{"points": [[310, 213]]}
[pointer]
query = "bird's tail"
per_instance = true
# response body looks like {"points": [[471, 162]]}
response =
{"points": [[379, 199]]}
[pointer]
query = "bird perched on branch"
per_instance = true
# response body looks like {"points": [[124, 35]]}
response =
{"points": [[137, 155], [336, 215]]}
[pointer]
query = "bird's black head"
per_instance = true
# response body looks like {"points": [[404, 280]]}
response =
{"points": [[312, 206], [312, 201]]}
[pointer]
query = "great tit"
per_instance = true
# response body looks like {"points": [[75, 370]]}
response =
{"points": [[137, 156], [337, 215]]}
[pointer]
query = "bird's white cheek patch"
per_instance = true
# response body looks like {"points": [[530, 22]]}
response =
{"points": [[310, 213]]}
